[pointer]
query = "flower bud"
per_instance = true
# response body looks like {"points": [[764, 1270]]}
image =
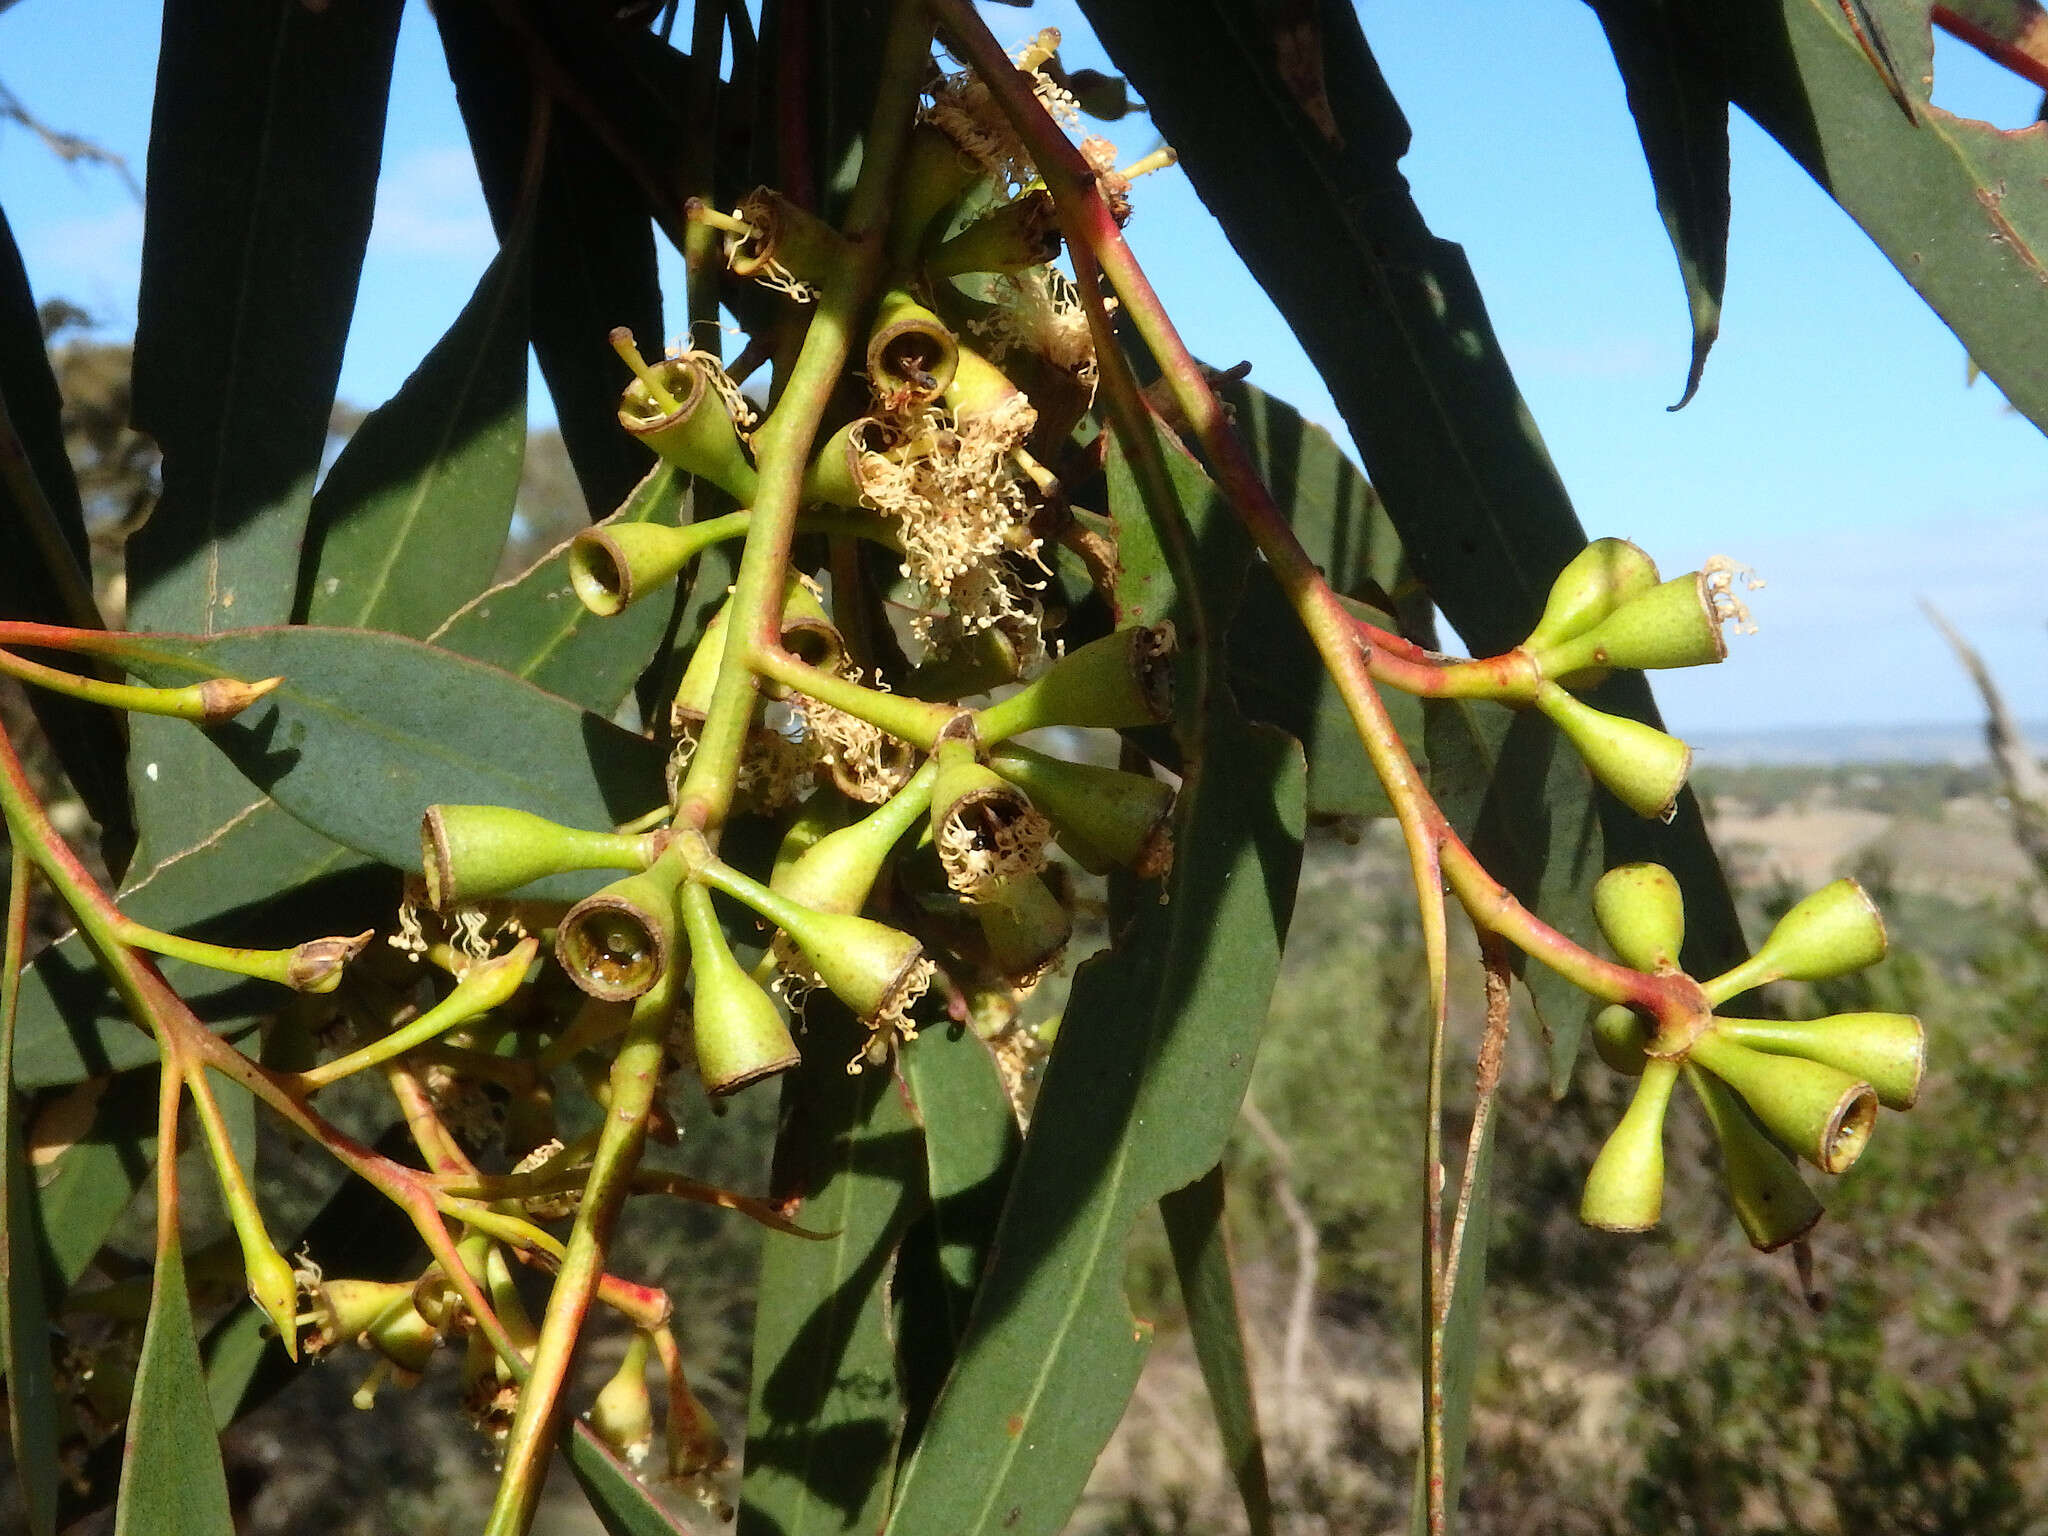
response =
{"points": [[1625, 1188], [911, 354], [618, 943], [1621, 1036], [1024, 232], [614, 565], [1771, 1200], [692, 429], [737, 1029], [838, 870], [1886, 1050], [473, 851], [1640, 910], [1603, 575], [1121, 680], [1833, 932], [1104, 817], [1672, 625], [622, 1415], [317, 964], [273, 1285], [1025, 924], [1817, 1111], [1641, 765]]}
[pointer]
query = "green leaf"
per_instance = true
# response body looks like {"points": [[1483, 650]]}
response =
{"points": [[1462, 1326], [24, 1313], [45, 577], [1682, 118], [1959, 207], [172, 1481], [408, 524], [593, 246], [970, 1149], [1304, 174], [82, 1190], [825, 1411], [1518, 795], [1151, 1063], [370, 729], [263, 159], [622, 1503], [1201, 1260], [533, 626]]}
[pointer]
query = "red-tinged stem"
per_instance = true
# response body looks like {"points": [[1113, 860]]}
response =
{"points": [[1435, 851], [635, 1082], [170, 1096]]}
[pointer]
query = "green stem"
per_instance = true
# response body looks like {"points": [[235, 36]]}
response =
{"points": [[484, 986], [783, 444], [635, 1081], [205, 703], [911, 720]]}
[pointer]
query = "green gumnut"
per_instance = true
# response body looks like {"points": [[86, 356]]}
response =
{"points": [[1771, 1200], [343, 1310], [1024, 232], [836, 872], [472, 851], [1625, 1188], [1644, 767], [1642, 914], [1886, 1050], [735, 1026], [698, 436], [1024, 923], [1620, 1037], [1672, 625], [911, 355], [1835, 931], [807, 632], [787, 236], [403, 1336], [1104, 817], [618, 942], [614, 565], [874, 969], [833, 475], [1120, 681], [936, 174], [622, 1413], [978, 663], [1819, 1112], [1606, 573], [979, 388]]}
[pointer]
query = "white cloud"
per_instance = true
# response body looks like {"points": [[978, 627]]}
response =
{"points": [[430, 207]]}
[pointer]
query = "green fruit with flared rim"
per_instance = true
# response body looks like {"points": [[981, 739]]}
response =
{"points": [[1625, 1187], [693, 430], [1642, 766], [614, 565], [1024, 923], [618, 942], [1106, 818], [1834, 932], [874, 969], [1819, 1112], [1886, 1050], [1120, 681], [468, 852], [1672, 625], [911, 354], [1641, 912], [1771, 1200]]}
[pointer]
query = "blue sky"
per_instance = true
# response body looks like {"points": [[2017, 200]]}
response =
{"points": [[1833, 445]]}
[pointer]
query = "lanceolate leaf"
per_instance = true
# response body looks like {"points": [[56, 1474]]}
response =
{"points": [[622, 1503], [45, 576], [172, 1482], [533, 626], [1201, 1259], [1960, 207], [263, 162], [593, 246], [370, 729], [1153, 1054], [408, 524], [825, 1411], [1682, 118]]}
